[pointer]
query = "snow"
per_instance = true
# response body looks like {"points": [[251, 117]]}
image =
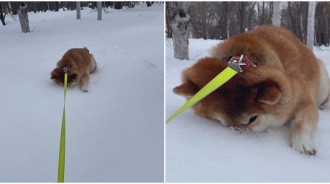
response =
{"points": [[202, 150], [115, 130]]}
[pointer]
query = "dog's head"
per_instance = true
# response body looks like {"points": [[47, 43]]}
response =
{"points": [[251, 100], [57, 75]]}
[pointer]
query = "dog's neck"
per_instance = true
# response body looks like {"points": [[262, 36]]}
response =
{"points": [[68, 68]]}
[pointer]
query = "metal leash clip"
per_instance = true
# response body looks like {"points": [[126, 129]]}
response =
{"points": [[236, 62], [66, 69]]}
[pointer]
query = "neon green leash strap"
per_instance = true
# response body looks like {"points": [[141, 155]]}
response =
{"points": [[61, 160], [229, 72]]}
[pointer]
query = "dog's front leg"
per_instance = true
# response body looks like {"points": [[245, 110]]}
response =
{"points": [[303, 126], [84, 83]]}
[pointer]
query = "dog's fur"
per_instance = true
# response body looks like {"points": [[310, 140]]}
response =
{"points": [[288, 84], [78, 63]]}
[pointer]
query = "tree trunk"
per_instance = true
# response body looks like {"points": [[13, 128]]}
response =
{"points": [[328, 22], [250, 16], [292, 19], [2, 18], [241, 14], [2, 14], [149, 3], [180, 35], [78, 10], [225, 20], [99, 10], [302, 28], [118, 5], [276, 19], [56, 6], [48, 7], [23, 17], [310, 24]]}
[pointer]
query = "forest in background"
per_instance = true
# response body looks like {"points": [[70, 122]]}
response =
{"points": [[220, 20], [12, 8]]}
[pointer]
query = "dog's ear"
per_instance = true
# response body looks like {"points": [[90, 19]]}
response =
{"points": [[187, 89], [268, 93], [54, 73], [52, 76]]}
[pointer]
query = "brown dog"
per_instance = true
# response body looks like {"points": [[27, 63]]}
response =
{"points": [[78, 63], [288, 84]]}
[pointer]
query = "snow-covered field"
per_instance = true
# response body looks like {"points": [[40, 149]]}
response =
{"points": [[201, 150], [115, 130]]}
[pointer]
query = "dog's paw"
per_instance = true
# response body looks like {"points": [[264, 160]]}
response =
{"points": [[303, 145], [83, 89]]}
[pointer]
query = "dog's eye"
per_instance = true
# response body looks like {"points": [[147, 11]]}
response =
{"points": [[252, 119]]}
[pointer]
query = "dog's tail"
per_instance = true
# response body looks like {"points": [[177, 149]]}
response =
{"points": [[86, 49]]}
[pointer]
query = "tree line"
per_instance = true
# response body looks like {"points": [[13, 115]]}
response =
{"points": [[12, 8], [220, 20]]}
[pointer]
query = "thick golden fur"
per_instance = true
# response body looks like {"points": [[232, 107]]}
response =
{"points": [[288, 85], [79, 63]]}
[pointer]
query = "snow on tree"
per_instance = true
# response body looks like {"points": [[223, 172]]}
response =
{"points": [[180, 35], [99, 10], [78, 10], [311, 24], [23, 17], [276, 19]]}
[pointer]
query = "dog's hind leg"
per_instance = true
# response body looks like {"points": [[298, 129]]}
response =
{"points": [[324, 88], [84, 83], [93, 65]]}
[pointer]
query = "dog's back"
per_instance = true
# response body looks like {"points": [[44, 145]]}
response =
{"points": [[81, 59], [277, 47]]}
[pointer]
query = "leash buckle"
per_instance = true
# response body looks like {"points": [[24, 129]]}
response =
{"points": [[66, 69], [236, 63]]}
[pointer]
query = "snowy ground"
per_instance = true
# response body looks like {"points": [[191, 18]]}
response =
{"points": [[201, 150], [115, 130]]}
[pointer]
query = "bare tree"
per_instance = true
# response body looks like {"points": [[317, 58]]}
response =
{"points": [[251, 11], [23, 17], [226, 10], [322, 23], [3, 13], [311, 24], [219, 20], [78, 10], [149, 3], [241, 14], [180, 35], [297, 13], [204, 19], [276, 20], [264, 12], [99, 10]]}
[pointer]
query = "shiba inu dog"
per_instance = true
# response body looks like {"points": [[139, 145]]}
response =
{"points": [[78, 63], [287, 85]]}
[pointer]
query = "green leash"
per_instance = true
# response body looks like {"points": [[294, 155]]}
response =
{"points": [[61, 160], [229, 72]]}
